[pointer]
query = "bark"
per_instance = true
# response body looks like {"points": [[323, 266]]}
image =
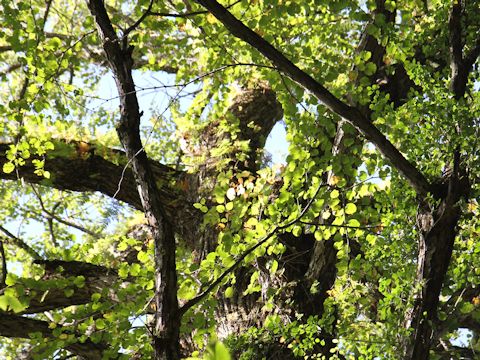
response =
{"points": [[167, 320], [97, 278], [437, 235], [16, 326], [84, 167]]}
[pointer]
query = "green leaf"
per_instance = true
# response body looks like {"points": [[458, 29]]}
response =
{"points": [[100, 324], [370, 69], [135, 269], [466, 307], [217, 351], [4, 302], [350, 208], [334, 194], [10, 302], [274, 267], [143, 256], [297, 230], [8, 167], [229, 292]]}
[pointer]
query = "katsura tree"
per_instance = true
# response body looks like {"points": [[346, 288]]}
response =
{"points": [[158, 226]]}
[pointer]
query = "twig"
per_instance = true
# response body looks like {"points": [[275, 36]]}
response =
{"points": [[139, 21], [369, 227], [18, 242], [52, 215]]}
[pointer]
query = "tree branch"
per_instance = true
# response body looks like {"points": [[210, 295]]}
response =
{"points": [[51, 216], [458, 67], [166, 330], [189, 14], [80, 166], [3, 276], [16, 326], [139, 21], [472, 56], [12, 239], [416, 179]]}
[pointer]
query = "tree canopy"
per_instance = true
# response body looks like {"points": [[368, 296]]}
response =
{"points": [[161, 228]]}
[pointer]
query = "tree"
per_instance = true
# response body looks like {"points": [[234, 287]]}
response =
{"points": [[151, 234]]}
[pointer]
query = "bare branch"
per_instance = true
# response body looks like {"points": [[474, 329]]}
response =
{"points": [[10, 69], [12, 239], [52, 216], [5, 48]]}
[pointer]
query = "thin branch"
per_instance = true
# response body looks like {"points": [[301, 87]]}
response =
{"points": [[215, 283], [10, 69], [52, 215], [18, 242], [3, 277], [139, 21], [5, 48], [367, 228], [472, 56], [416, 179], [189, 14], [45, 14]]}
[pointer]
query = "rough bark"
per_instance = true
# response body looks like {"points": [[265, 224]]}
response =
{"points": [[437, 228], [86, 167], [16, 326], [167, 320]]}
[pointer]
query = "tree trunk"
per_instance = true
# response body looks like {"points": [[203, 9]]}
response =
{"points": [[437, 232]]}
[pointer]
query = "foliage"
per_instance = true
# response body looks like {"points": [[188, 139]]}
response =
{"points": [[316, 257]]}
